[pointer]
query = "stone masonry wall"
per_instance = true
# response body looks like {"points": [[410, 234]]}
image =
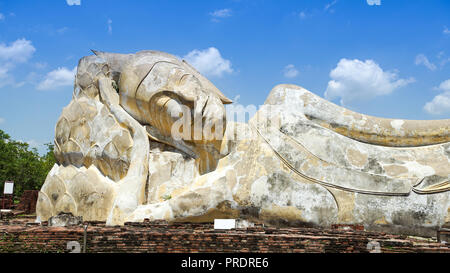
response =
{"points": [[188, 237]]}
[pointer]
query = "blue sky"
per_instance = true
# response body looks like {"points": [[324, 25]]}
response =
{"points": [[388, 58]]}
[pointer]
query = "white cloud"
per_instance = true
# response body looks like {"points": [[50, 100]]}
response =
{"points": [[302, 15], [222, 13], [109, 26], [444, 62], [422, 59], [354, 80], [329, 5], [2, 17], [33, 143], [40, 65], [5, 77], [209, 62], [73, 2], [39, 146], [443, 59], [446, 30], [290, 71], [440, 103], [374, 2], [62, 30], [58, 78], [18, 52], [4, 69], [219, 14], [2, 120], [444, 86]]}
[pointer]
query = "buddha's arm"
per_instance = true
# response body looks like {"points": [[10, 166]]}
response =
{"points": [[374, 130]]}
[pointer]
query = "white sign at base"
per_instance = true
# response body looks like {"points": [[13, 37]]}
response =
{"points": [[8, 188], [224, 223]]}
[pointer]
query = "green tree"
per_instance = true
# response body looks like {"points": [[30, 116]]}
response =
{"points": [[23, 165]]}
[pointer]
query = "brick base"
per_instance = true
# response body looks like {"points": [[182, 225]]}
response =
{"points": [[189, 237]]}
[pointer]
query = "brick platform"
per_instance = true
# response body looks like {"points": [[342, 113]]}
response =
{"points": [[183, 237]]}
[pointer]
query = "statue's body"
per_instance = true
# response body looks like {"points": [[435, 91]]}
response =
{"points": [[299, 159]]}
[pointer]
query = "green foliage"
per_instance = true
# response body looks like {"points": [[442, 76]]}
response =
{"points": [[23, 165]]}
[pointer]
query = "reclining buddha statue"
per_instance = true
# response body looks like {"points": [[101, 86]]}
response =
{"points": [[146, 136]]}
